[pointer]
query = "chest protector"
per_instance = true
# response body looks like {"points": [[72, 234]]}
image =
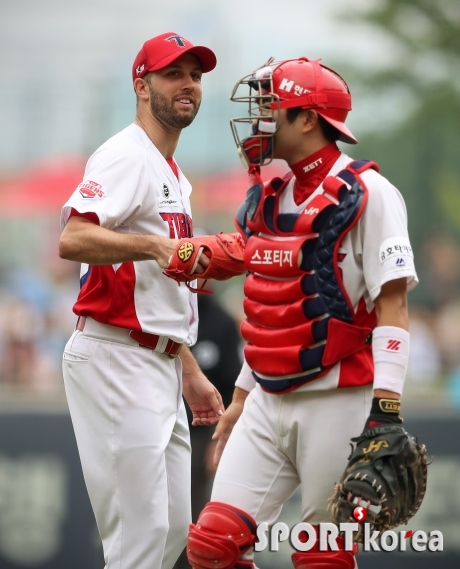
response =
{"points": [[300, 320]]}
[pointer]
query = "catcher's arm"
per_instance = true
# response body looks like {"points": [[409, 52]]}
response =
{"points": [[228, 421], [391, 310], [386, 472]]}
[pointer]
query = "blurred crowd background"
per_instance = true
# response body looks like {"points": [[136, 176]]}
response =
{"points": [[65, 87]]}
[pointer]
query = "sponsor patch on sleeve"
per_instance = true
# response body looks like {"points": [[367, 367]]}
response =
{"points": [[396, 248], [90, 190]]}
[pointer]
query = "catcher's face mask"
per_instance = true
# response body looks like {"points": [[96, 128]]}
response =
{"points": [[301, 82], [256, 149]]}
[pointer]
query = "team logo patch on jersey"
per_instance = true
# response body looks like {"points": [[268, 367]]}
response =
{"points": [[90, 190], [168, 200], [185, 251]]}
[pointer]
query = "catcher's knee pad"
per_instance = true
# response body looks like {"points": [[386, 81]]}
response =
{"points": [[316, 559], [222, 533]]}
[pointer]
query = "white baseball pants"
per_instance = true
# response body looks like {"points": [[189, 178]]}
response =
{"points": [[281, 441], [132, 435]]}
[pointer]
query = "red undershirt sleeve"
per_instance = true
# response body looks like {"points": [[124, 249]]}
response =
{"points": [[89, 215]]}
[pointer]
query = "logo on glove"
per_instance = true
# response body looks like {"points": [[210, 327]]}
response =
{"points": [[374, 446], [185, 251]]}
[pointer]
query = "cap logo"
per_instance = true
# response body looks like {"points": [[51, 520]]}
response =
{"points": [[180, 41], [140, 69]]}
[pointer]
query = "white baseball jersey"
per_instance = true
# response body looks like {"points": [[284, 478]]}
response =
{"points": [[375, 251], [131, 188]]}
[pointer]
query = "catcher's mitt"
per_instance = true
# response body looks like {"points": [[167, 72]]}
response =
{"points": [[225, 252], [386, 475]]}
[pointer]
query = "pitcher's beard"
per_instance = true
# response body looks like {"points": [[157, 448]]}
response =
{"points": [[164, 110]]}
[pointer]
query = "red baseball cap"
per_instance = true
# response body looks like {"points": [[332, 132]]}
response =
{"points": [[160, 51]]}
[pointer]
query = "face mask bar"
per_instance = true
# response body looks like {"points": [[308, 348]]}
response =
{"points": [[254, 134]]}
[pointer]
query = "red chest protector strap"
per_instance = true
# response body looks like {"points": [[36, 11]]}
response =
{"points": [[256, 213]]}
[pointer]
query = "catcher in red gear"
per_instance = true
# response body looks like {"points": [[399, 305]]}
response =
{"points": [[329, 265]]}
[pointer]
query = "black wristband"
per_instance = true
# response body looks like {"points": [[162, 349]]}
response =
{"points": [[385, 406], [384, 411]]}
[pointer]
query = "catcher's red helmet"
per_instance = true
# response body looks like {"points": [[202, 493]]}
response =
{"points": [[287, 84]]}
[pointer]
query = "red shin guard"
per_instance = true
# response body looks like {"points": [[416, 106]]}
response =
{"points": [[221, 535]]}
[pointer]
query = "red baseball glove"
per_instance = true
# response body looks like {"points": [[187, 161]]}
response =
{"points": [[225, 251]]}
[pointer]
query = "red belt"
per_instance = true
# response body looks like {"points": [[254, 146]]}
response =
{"points": [[145, 340]]}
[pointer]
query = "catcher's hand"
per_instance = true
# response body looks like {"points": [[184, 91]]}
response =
{"points": [[225, 252], [386, 475]]}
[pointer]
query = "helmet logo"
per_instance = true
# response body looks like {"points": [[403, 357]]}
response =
{"points": [[286, 85]]}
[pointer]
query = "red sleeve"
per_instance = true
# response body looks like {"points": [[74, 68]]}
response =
{"points": [[90, 216]]}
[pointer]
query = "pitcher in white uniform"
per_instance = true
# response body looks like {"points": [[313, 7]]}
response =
{"points": [[329, 264], [127, 364]]}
